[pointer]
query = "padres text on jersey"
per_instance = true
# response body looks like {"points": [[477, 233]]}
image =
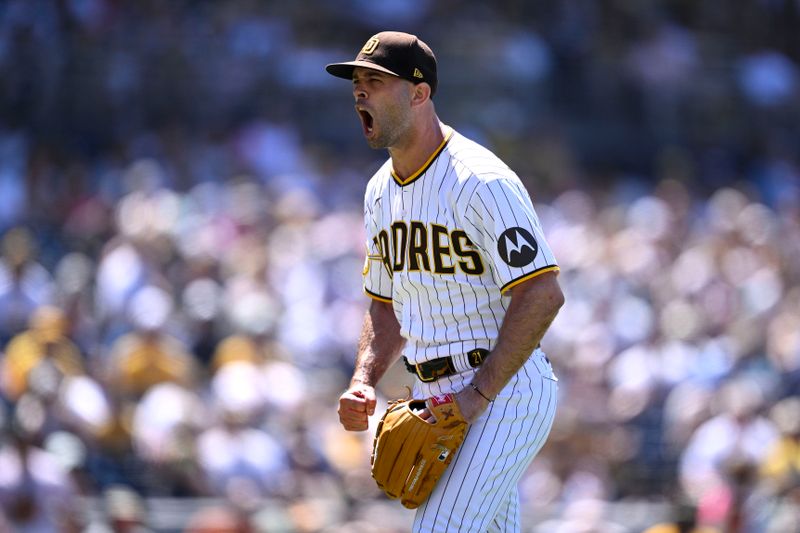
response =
{"points": [[446, 244]]}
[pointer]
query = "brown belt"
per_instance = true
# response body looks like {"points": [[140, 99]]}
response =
{"points": [[444, 366]]}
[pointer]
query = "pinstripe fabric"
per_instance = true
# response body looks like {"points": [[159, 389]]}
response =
{"points": [[478, 492], [443, 247], [507, 517], [467, 200]]}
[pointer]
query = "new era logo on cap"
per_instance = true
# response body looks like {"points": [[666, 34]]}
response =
{"points": [[396, 53]]}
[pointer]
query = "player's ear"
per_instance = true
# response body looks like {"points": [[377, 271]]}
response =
{"points": [[421, 94]]}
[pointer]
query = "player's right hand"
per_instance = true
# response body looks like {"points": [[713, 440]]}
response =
{"points": [[356, 405]]}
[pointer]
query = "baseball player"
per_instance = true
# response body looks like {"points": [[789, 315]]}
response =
{"points": [[463, 286]]}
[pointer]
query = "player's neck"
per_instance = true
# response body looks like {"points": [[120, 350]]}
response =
{"points": [[408, 158]]}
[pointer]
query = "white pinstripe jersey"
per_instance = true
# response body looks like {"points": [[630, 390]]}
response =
{"points": [[445, 245]]}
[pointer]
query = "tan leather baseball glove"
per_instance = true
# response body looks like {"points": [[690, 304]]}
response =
{"points": [[410, 454]]}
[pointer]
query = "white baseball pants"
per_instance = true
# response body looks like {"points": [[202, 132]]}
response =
{"points": [[478, 492]]}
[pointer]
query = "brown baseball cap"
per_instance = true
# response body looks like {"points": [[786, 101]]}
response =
{"points": [[400, 54]]}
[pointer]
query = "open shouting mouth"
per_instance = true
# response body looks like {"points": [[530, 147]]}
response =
{"points": [[366, 120]]}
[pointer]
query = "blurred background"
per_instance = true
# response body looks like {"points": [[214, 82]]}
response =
{"points": [[181, 242]]}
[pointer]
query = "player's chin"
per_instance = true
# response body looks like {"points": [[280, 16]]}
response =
{"points": [[376, 139], [376, 143]]}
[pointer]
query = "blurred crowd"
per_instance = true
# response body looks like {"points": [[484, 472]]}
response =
{"points": [[181, 241]]}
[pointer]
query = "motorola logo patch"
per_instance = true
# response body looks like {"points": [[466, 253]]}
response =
{"points": [[517, 247]]}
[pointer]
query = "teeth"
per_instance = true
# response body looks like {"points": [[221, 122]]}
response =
{"points": [[366, 119]]}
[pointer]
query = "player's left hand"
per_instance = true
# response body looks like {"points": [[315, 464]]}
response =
{"points": [[409, 455]]}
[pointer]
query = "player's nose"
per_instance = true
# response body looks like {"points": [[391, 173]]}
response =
{"points": [[358, 91]]}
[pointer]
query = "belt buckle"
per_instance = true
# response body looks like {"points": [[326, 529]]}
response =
{"points": [[421, 377], [439, 368]]}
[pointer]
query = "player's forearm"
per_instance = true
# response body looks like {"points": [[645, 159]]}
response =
{"points": [[533, 307], [379, 346]]}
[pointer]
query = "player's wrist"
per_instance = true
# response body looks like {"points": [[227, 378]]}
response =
{"points": [[481, 393], [360, 382]]}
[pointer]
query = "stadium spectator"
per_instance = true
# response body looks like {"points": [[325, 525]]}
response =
{"points": [[41, 356], [149, 355], [167, 184]]}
